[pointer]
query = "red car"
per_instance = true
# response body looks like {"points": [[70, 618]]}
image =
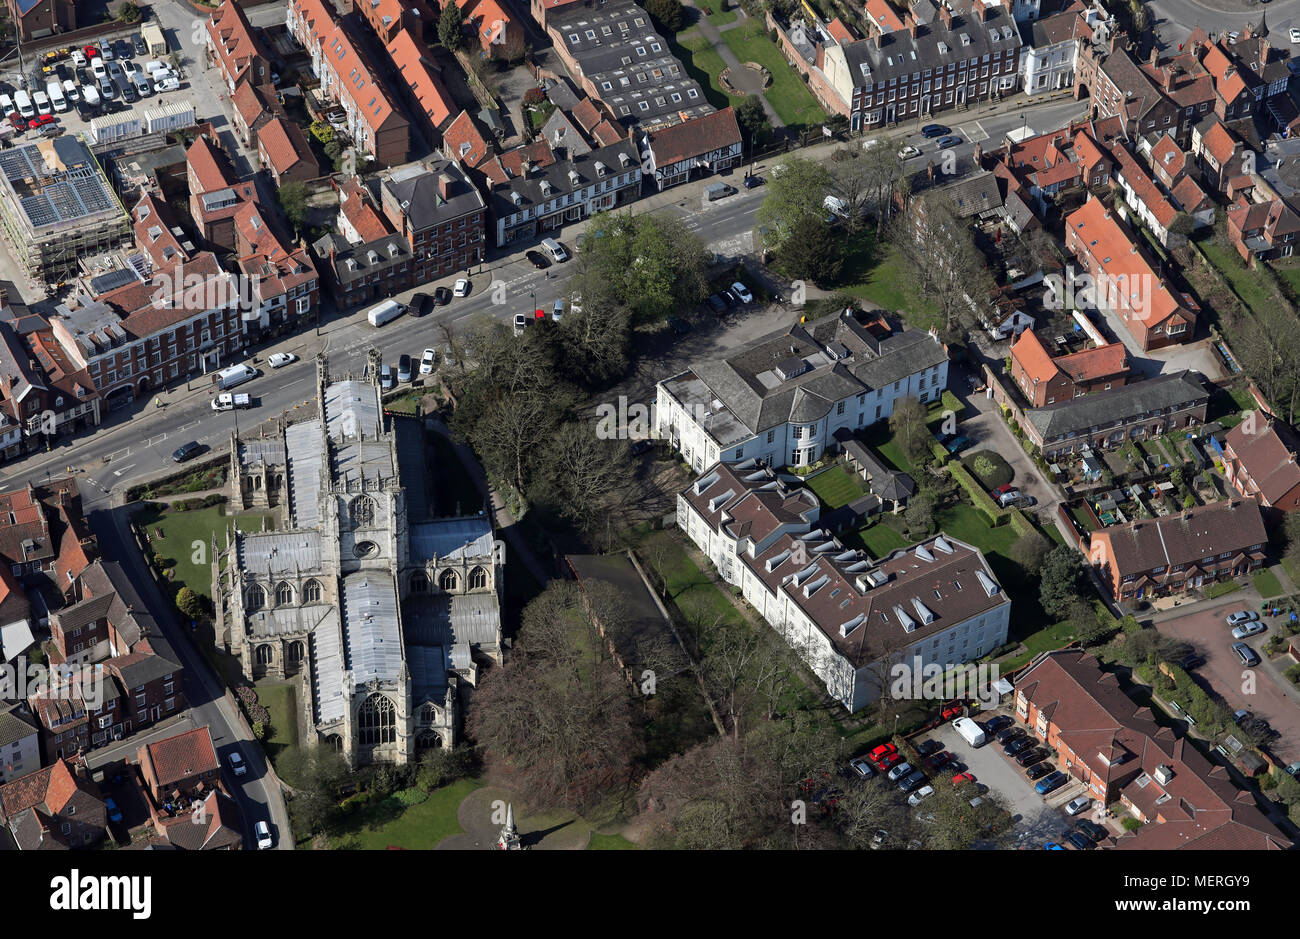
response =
{"points": [[881, 751], [962, 778], [1003, 489], [40, 121], [888, 761], [938, 761], [951, 711], [91, 51]]}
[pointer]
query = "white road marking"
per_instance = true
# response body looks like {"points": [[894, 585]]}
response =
{"points": [[156, 439], [984, 134]]}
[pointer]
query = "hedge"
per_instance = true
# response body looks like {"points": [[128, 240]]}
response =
{"points": [[952, 403], [978, 497], [1019, 523], [941, 454]]}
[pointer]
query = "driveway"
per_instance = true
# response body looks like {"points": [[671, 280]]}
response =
{"points": [[1267, 694]]}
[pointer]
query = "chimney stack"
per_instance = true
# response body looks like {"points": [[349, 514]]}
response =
{"points": [[444, 185], [945, 15], [1170, 72]]}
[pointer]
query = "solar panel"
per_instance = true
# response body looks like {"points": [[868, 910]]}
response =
{"points": [[112, 280]]}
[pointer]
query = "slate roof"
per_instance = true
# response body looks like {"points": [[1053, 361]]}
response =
{"points": [[1104, 408]]}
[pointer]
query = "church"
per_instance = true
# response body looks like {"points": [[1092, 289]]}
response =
{"points": [[381, 612]]}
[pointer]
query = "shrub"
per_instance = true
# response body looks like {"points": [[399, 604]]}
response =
{"points": [[1293, 674], [978, 497], [1131, 824], [188, 602], [410, 797], [534, 96]]}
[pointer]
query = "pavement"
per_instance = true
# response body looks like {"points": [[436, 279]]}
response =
{"points": [[1174, 19]]}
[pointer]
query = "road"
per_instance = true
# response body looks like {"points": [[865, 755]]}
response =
{"points": [[1174, 19], [258, 797]]}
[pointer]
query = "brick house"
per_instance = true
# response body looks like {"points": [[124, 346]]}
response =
{"points": [[83, 709], [389, 17], [1046, 379], [38, 18], [234, 47], [281, 279], [1221, 155], [1106, 419], [185, 763], [1176, 553], [284, 152], [20, 749], [435, 207], [489, 23], [254, 106], [418, 80], [45, 542], [1113, 746], [32, 401], [215, 192], [55, 808], [1125, 281], [1264, 229], [1259, 459]]}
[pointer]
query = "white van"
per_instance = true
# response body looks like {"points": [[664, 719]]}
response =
{"points": [[970, 731], [6, 105], [385, 312], [236, 375], [836, 206], [23, 102], [555, 250], [42, 102], [154, 65], [55, 91]]}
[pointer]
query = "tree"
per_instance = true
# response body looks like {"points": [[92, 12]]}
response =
{"points": [[812, 252], [440, 766], [588, 479], [752, 118], [128, 13], [557, 720], [188, 602], [293, 202], [907, 424], [667, 13], [868, 181], [451, 26], [919, 514], [1061, 578], [944, 262], [1029, 550], [799, 190]]}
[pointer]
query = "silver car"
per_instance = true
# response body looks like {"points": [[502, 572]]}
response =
{"points": [[1242, 616], [1248, 629]]}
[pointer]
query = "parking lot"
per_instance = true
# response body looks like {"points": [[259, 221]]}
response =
{"points": [[112, 77]]}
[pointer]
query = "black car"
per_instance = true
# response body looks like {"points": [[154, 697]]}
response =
{"points": [[441, 296], [1091, 829], [1031, 756], [187, 451], [926, 747], [122, 50], [717, 304], [678, 325], [641, 446], [62, 71], [1009, 732], [1038, 771], [537, 259], [140, 48], [752, 182], [1017, 746], [421, 303], [934, 130], [83, 75], [913, 780], [997, 724], [1082, 842]]}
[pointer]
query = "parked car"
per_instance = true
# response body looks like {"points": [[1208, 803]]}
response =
{"points": [[1031, 756], [1077, 805], [962, 778], [916, 797], [404, 368], [717, 304], [1080, 841], [537, 259], [956, 443], [934, 130], [1038, 771], [114, 813], [237, 764], [861, 768], [888, 761], [122, 49], [420, 305], [141, 48], [753, 182], [462, 287], [441, 296], [926, 747], [522, 322], [881, 750], [948, 142], [899, 771], [912, 782], [427, 360], [281, 359], [386, 382], [187, 451], [742, 293], [1248, 629], [1017, 746], [908, 152], [952, 710], [678, 325], [1051, 782], [263, 832], [1053, 846], [996, 723], [1002, 490], [1009, 732], [1246, 654], [938, 761], [1241, 617]]}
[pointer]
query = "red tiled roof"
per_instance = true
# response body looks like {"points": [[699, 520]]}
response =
{"points": [[839, 32], [285, 146], [1190, 196], [363, 216], [695, 137], [1168, 156], [422, 78], [1268, 455], [176, 758], [50, 788], [465, 143], [1220, 143], [207, 166], [1143, 186], [1034, 359], [234, 39], [883, 13], [153, 223], [487, 18]]}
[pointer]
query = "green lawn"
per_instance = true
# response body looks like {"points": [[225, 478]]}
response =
{"points": [[1253, 286], [187, 538], [1266, 583], [788, 94], [1290, 275], [877, 273], [834, 487], [879, 438], [877, 539], [601, 842], [702, 63], [376, 827], [713, 10], [689, 587], [282, 702]]}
